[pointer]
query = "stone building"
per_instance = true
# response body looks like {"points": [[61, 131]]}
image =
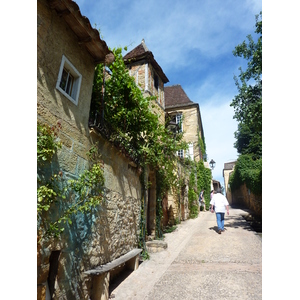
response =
{"points": [[148, 75], [150, 78], [227, 171], [68, 49], [186, 114]]}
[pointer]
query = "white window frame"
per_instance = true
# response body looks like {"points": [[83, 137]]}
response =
{"points": [[74, 94], [179, 122], [180, 153], [190, 152]]}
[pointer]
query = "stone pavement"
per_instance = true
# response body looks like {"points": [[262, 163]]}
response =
{"points": [[199, 263]]}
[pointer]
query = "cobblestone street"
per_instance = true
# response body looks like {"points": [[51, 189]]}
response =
{"points": [[199, 263]]}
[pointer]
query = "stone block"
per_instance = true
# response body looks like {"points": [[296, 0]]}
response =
{"points": [[41, 292], [67, 160], [156, 246], [42, 273]]}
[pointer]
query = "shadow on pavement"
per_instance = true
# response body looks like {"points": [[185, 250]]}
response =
{"points": [[252, 223]]}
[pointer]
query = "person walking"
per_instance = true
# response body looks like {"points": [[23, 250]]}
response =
{"points": [[201, 200], [211, 195], [218, 204]]}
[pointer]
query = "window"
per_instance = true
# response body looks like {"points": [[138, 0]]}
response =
{"points": [[190, 152], [180, 153], [156, 81], [69, 80], [179, 122]]}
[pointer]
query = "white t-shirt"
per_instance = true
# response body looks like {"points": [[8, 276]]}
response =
{"points": [[219, 201]]}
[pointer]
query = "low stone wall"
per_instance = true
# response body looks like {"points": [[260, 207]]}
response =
{"points": [[96, 237], [243, 196]]}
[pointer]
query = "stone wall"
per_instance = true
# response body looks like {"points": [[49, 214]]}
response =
{"points": [[143, 74], [226, 174], [176, 206], [244, 197], [112, 228], [191, 127]]}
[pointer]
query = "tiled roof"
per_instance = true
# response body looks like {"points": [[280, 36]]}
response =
{"points": [[176, 96], [137, 51], [81, 26], [141, 52]]}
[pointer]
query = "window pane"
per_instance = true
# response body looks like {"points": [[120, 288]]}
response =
{"points": [[70, 84], [64, 78], [179, 121], [180, 153]]}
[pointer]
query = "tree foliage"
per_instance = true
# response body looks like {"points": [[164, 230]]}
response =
{"points": [[249, 171], [136, 129], [133, 124], [248, 103], [204, 181]]}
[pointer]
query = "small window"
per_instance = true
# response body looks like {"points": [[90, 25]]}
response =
{"points": [[189, 153], [69, 80], [179, 122], [156, 81], [180, 153]]}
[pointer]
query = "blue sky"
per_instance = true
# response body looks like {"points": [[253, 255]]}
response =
{"points": [[192, 41]]}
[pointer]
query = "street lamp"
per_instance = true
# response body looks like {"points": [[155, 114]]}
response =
{"points": [[212, 164]]}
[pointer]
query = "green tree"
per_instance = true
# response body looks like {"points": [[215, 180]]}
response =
{"points": [[248, 103]]}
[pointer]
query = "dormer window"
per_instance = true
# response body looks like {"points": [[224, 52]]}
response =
{"points": [[156, 81]]}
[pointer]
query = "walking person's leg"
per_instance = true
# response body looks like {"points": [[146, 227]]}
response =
{"points": [[222, 221], [219, 222]]}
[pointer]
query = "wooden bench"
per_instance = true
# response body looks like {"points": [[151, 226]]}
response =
{"points": [[101, 275]]}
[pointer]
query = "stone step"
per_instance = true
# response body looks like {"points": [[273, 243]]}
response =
{"points": [[156, 246]]}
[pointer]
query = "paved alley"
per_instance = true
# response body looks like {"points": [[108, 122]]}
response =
{"points": [[199, 263]]}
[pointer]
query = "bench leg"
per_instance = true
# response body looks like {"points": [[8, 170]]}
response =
{"points": [[101, 287], [133, 263]]}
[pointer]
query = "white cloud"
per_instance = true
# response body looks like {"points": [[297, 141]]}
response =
{"points": [[187, 37]]}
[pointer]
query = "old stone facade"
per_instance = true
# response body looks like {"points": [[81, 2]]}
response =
{"points": [[227, 171], [245, 198], [187, 113], [148, 76], [68, 46]]}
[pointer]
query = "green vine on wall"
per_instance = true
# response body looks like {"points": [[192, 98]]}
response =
{"points": [[249, 171], [77, 195], [192, 195], [137, 130], [204, 181]]}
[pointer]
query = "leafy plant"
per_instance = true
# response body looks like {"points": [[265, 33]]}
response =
{"points": [[136, 130], [247, 170], [204, 181], [192, 195], [53, 193], [247, 103], [47, 143]]}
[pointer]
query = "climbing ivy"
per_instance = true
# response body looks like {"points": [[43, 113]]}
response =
{"points": [[192, 195], [54, 192], [247, 170], [204, 181], [135, 129]]}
